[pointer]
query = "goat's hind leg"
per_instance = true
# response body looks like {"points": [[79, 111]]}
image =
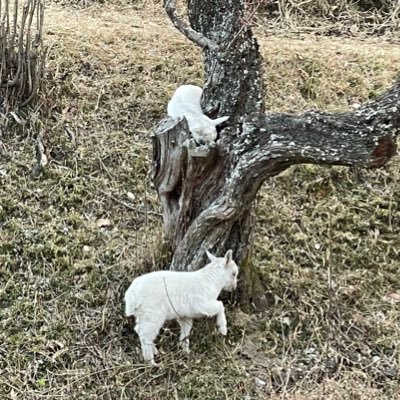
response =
{"points": [[155, 350], [186, 325], [147, 330]]}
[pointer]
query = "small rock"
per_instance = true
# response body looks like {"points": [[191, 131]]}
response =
{"points": [[131, 196], [259, 382], [391, 373], [393, 298], [102, 222]]}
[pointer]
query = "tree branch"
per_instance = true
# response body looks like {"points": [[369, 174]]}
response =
{"points": [[363, 138], [184, 28]]}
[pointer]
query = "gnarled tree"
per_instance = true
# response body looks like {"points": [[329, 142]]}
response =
{"points": [[207, 193]]}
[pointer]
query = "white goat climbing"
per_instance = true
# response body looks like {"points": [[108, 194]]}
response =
{"points": [[185, 102], [159, 296]]}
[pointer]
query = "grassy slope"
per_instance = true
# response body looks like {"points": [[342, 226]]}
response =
{"points": [[327, 239]]}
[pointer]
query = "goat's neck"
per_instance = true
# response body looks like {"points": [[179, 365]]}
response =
{"points": [[214, 276], [192, 112]]}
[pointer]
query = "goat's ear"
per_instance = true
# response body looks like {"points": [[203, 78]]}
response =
{"points": [[210, 256], [220, 120], [228, 257]]}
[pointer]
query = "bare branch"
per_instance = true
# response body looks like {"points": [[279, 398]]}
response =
{"points": [[363, 138], [184, 28]]}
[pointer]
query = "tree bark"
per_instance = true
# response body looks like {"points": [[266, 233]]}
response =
{"points": [[207, 192]]}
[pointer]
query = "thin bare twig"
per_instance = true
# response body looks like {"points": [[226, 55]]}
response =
{"points": [[244, 25]]}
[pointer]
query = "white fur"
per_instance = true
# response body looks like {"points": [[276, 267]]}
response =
{"points": [[185, 102], [159, 296]]}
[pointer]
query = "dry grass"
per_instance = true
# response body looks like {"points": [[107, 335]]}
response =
{"points": [[326, 73], [327, 239], [330, 17]]}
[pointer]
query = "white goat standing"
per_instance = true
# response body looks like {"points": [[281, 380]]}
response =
{"points": [[160, 296], [185, 102]]}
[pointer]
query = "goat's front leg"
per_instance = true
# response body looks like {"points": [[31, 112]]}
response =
{"points": [[186, 325], [215, 308]]}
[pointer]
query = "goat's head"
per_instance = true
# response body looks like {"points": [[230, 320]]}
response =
{"points": [[231, 270], [204, 129]]}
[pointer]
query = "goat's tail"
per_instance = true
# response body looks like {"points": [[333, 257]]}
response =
{"points": [[130, 302]]}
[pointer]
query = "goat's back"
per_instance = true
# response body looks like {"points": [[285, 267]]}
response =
{"points": [[185, 100], [157, 289]]}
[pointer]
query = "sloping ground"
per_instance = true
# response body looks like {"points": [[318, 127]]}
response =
{"points": [[327, 239], [331, 17]]}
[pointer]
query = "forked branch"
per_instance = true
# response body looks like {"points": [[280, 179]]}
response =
{"points": [[184, 28]]}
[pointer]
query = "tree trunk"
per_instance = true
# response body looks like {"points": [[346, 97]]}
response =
{"points": [[207, 192]]}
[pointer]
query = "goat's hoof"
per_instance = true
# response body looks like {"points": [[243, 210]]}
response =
{"points": [[223, 330], [155, 364]]}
